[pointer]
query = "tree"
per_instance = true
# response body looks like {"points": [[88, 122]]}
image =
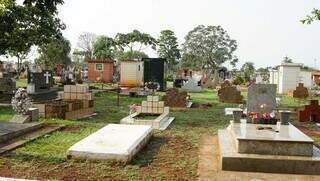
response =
{"points": [[286, 59], [54, 53], [212, 45], [190, 61], [315, 16], [104, 47], [134, 42], [34, 22], [85, 44], [248, 70], [131, 55], [168, 48]]}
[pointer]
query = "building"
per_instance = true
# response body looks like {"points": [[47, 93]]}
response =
{"points": [[131, 73], [288, 75], [101, 70]]}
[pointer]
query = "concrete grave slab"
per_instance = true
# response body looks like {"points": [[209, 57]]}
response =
{"points": [[9, 130], [232, 160], [288, 141], [112, 142]]}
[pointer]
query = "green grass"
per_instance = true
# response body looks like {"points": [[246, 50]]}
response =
{"points": [[21, 82], [170, 155]]}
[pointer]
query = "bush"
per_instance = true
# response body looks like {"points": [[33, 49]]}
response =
{"points": [[238, 80]]}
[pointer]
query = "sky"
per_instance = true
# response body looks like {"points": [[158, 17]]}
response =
{"points": [[265, 30]]}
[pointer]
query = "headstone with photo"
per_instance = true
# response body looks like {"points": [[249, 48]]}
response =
{"points": [[262, 94]]}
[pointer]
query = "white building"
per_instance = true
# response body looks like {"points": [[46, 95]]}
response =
{"points": [[131, 73], [288, 75]]}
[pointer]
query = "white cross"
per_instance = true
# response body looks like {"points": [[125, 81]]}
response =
{"points": [[47, 75]]}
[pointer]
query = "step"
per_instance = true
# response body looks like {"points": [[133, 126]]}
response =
{"points": [[231, 160]]}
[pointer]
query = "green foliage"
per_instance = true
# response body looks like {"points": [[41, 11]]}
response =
{"points": [[248, 70], [35, 22], [315, 16], [287, 59], [104, 47], [55, 52], [238, 80], [191, 61], [212, 45], [128, 43], [168, 48], [131, 55]]}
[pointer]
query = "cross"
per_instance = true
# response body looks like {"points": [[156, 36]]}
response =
{"points": [[47, 75]]}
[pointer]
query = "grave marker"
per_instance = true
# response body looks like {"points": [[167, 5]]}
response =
{"points": [[259, 94]]}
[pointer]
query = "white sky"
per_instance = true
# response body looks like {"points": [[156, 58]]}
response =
{"points": [[266, 30]]}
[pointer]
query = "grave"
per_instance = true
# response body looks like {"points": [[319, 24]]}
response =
{"points": [[154, 71], [175, 98], [40, 86], [300, 92], [20, 124], [259, 94], [229, 94], [7, 86], [310, 112], [76, 102], [267, 148], [112, 142], [191, 85], [151, 112]]}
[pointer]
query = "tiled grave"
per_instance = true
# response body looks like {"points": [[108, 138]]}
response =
{"points": [[114, 142], [157, 115]]}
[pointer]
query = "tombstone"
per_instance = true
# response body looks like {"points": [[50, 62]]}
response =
{"points": [[229, 94], [154, 71], [40, 85], [191, 85], [300, 92], [7, 85], [310, 112], [174, 98], [260, 94]]}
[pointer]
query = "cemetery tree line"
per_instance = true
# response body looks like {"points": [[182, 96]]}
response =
{"points": [[27, 24]]}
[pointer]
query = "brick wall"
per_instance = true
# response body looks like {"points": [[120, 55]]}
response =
{"points": [[107, 71]]}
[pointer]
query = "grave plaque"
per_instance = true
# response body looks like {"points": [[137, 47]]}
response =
{"points": [[300, 92], [259, 94]]}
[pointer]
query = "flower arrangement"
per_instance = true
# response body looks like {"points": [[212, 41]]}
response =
{"points": [[263, 117], [152, 86], [133, 108]]}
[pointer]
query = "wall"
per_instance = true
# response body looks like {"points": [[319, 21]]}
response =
{"points": [[107, 72], [288, 78], [131, 74], [306, 78]]}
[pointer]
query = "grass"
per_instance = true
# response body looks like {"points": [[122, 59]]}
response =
{"points": [[170, 155], [21, 82]]}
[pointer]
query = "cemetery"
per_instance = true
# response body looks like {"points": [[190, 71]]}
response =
{"points": [[118, 103]]}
